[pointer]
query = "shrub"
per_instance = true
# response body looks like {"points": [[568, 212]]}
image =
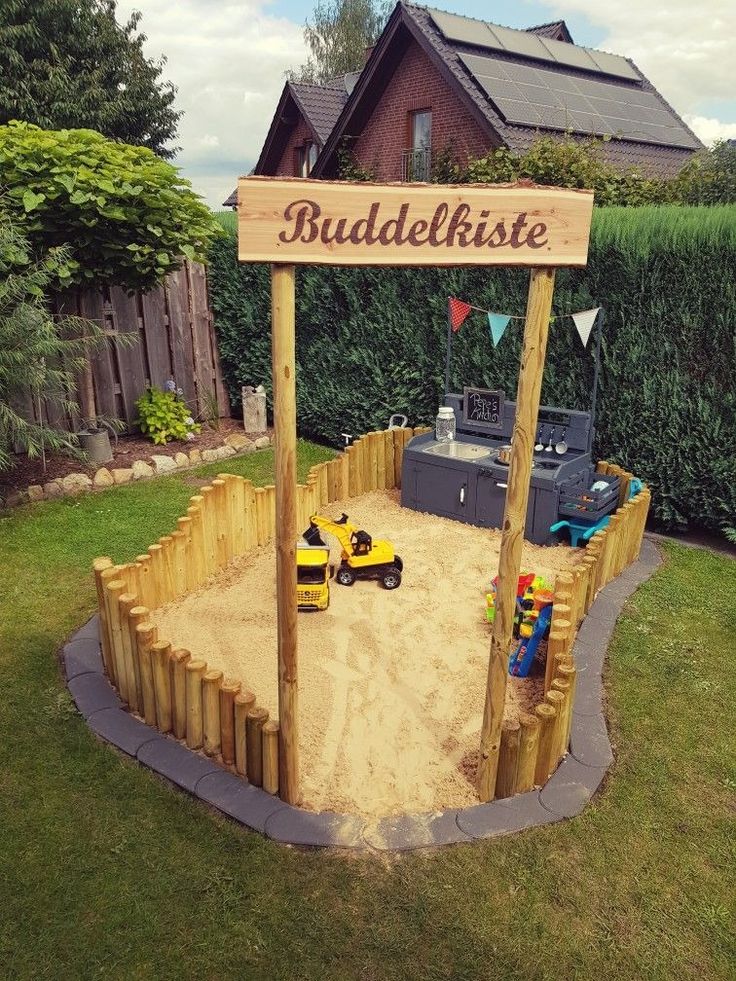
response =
{"points": [[371, 342], [127, 217], [39, 356], [164, 416]]}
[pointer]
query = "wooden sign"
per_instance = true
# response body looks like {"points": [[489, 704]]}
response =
{"points": [[290, 220]]}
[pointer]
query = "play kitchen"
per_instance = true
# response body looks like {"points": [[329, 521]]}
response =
{"points": [[461, 469]]}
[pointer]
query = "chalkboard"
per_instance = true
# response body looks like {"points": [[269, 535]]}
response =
{"points": [[481, 406]]}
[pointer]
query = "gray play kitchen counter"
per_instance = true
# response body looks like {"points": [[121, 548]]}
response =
{"points": [[463, 479]]}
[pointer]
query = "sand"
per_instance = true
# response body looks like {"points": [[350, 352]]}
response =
{"points": [[391, 683]]}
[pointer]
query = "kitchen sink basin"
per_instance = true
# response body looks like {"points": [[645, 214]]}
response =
{"points": [[459, 451]]}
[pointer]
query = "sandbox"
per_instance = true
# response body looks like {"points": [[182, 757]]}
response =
{"points": [[391, 683]]}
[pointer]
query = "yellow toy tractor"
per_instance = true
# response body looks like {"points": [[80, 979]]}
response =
{"points": [[362, 557]]}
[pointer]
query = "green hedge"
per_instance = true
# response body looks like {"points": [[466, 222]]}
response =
{"points": [[371, 342]]}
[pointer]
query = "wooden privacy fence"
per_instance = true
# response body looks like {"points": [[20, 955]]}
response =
{"points": [[174, 338], [173, 690]]}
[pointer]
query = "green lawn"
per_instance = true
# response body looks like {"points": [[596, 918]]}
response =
{"points": [[105, 871]]}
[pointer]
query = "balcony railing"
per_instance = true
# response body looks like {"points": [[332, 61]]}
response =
{"points": [[416, 165]]}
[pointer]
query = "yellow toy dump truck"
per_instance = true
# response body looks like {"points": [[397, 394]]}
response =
{"points": [[312, 577], [362, 557]]}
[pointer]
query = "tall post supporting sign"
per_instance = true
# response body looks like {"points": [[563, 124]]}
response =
{"points": [[287, 222]]}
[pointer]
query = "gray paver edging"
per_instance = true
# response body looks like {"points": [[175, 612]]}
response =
{"points": [[565, 794]]}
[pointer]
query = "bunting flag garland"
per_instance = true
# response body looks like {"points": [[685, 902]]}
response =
{"points": [[584, 322], [459, 310], [498, 322]]}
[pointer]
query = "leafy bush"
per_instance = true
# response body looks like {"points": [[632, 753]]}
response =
{"points": [[39, 356], [164, 416], [709, 177], [127, 216], [371, 342]]}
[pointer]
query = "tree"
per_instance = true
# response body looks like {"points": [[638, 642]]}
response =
{"points": [[68, 64], [337, 38], [127, 217], [38, 355], [709, 177]]}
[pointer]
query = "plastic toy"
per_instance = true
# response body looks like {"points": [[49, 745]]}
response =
{"points": [[532, 594], [521, 660], [312, 577], [362, 557]]}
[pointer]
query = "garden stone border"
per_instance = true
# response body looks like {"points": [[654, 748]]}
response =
{"points": [[565, 795], [158, 464]]}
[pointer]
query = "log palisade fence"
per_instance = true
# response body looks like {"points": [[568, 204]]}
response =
{"points": [[175, 338], [172, 689]]}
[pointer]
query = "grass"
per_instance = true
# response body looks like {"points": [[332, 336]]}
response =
{"points": [[105, 871]]}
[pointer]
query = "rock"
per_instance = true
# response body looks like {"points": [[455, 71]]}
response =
{"points": [[225, 451], [163, 464], [35, 492], [238, 441], [195, 456], [181, 459], [262, 442], [15, 498], [53, 489], [76, 483], [103, 478], [141, 469], [122, 476]]}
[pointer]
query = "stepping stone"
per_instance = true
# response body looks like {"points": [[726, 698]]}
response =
{"points": [[120, 729], [503, 817], [82, 656], [175, 762], [407, 831], [249, 805], [570, 787], [298, 827], [90, 629], [91, 693], [589, 742]]}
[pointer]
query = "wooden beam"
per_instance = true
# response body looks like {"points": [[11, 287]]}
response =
{"points": [[284, 414], [536, 329]]}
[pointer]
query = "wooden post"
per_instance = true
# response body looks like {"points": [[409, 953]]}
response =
{"points": [[244, 702], [251, 518], [508, 759], [199, 561], [146, 638], [211, 711], [209, 524], [99, 566], [167, 567], [546, 715], [195, 730], [222, 512], [160, 652], [270, 733], [528, 747], [557, 700], [536, 329], [228, 691], [178, 669], [126, 602], [255, 721], [143, 562], [284, 411], [236, 487], [136, 616]]}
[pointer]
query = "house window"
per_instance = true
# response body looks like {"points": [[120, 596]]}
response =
{"points": [[417, 160], [306, 158]]}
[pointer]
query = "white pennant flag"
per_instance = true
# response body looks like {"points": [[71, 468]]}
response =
{"points": [[584, 322]]}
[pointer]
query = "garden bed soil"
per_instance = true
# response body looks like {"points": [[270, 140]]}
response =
{"points": [[391, 684], [130, 448]]}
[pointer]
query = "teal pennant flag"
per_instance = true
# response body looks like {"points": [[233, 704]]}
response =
{"points": [[498, 322]]}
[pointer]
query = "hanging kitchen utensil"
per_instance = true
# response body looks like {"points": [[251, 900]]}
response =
{"points": [[548, 447], [561, 448], [540, 445]]}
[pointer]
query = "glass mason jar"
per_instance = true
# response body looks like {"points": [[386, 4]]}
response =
{"points": [[445, 424]]}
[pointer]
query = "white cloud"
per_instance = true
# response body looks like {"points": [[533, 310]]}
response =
{"points": [[710, 130], [684, 49], [228, 61]]}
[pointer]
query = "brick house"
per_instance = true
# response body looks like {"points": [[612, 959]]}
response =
{"points": [[439, 85]]}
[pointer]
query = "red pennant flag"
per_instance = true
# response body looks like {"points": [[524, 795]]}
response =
{"points": [[459, 310]]}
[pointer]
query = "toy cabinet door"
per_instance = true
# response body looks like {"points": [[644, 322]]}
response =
{"points": [[491, 499], [444, 490]]}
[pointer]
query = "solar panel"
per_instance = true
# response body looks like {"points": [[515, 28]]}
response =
{"points": [[464, 29], [558, 100], [613, 65], [521, 43], [570, 55]]}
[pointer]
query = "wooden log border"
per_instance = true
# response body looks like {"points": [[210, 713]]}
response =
{"points": [[167, 686]]}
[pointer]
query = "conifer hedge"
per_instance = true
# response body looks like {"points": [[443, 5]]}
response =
{"points": [[371, 342]]}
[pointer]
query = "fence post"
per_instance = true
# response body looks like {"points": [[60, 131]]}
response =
{"points": [[244, 702], [270, 735], [528, 748], [255, 721], [178, 670], [160, 652], [195, 733], [145, 639]]}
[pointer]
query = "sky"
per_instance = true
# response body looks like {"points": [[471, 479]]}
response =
{"points": [[228, 61]]}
